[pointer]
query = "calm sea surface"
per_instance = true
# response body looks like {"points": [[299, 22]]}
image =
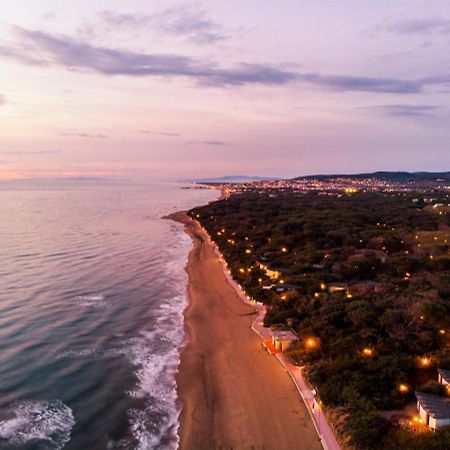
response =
{"points": [[92, 291]]}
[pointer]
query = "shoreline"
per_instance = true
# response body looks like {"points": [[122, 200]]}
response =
{"points": [[234, 395]]}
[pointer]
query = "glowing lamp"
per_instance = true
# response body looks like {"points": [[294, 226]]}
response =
{"points": [[425, 362]]}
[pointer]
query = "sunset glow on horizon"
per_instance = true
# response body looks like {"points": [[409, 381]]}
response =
{"points": [[193, 89]]}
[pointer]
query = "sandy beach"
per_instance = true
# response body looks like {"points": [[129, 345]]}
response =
{"points": [[234, 394]]}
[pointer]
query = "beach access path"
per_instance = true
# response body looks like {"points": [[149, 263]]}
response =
{"points": [[323, 428], [234, 394]]}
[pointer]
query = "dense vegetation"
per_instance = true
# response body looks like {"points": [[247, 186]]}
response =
{"points": [[367, 277]]}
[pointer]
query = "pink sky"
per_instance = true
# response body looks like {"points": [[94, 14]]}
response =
{"points": [[174, 89]]}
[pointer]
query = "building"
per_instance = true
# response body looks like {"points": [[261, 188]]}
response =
{"points": [[444, 377], [282, 338], [272, 274], [434, 410]]}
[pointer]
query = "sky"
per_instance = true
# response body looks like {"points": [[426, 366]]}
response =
{"points": [[175, 89]]}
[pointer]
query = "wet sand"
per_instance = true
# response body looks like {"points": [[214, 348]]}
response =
{"points": [[234, 394]]}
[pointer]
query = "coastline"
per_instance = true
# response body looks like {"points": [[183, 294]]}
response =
{"points": [[233, 393]]}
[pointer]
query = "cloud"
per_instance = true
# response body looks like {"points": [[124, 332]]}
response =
{"points": [[84, 135], [29, 152], [2, 100], [159, 133], [420, 26], [401, 110], [214, 143], [52, 50], [358, 83], [21, 55], [187, 21], [63, 51]]}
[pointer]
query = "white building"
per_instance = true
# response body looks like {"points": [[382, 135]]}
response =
{"points": [[282, 338], [444, 377], [434, 410]]}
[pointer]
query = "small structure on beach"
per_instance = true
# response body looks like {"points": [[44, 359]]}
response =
{"points": [[282, 338], [434, 410]]}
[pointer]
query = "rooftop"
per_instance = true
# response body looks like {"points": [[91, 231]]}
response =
{"points": [[445, 374], [284, 334], [435, 405]]}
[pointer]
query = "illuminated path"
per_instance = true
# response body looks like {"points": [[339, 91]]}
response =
{"points": [[321, 424]]}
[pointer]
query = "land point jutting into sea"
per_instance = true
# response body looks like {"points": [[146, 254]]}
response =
{"points": [[353, 276]]}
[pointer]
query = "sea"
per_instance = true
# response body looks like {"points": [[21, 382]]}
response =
{"points": [[92, 294]]}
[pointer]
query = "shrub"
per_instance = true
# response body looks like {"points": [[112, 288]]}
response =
{"points": [[367, 429]]}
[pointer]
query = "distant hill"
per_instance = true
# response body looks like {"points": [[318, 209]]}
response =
{"points": [[233, 179], [388, 176]]}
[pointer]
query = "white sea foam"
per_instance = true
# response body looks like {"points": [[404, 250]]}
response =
{"points": [[156, 355], [92, 301], [47, 423], [82, 353]]}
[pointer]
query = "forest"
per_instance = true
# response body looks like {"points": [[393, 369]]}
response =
{"points": [[366, 277]]}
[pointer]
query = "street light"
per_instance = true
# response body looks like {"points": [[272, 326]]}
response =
{"points": [[311, 343], [425, 362]]}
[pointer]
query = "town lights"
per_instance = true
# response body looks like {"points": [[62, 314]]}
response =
{"points": [[403, 388], [441, 331], [248, 251], [323, 286], [242, 270], [367, 351], [284, 249]]}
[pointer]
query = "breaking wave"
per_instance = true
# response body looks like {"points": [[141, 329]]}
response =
{"points": [[35, 425]]}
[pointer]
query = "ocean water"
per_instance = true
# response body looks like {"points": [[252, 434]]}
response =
{"points": [[92, 293]]}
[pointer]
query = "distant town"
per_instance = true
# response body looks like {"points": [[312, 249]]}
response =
{"points": [[336, 184]]}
